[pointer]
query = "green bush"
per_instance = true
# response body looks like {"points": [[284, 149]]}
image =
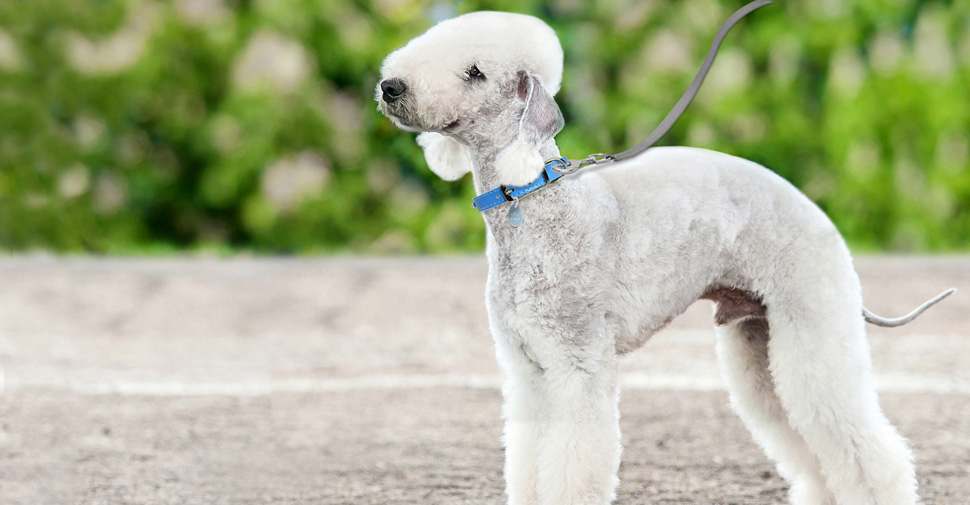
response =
{"points": [[139, 126]]}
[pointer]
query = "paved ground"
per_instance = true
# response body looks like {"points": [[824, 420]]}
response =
{"points": [[357, 381]]}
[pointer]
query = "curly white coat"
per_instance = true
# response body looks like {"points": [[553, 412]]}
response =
{"points": [[606, 259]]}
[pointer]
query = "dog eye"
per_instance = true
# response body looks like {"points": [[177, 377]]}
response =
{"points": [[475, 72]]}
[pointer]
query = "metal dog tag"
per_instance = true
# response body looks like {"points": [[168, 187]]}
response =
{"points": [[515, 215]]}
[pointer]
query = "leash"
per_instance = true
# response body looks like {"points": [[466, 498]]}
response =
{"points": [[681, 105], [556, 168]]}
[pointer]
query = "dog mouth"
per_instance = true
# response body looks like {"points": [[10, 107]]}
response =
{"points": [[407, 122], [451, 126], [401, 119], [400, 113]]}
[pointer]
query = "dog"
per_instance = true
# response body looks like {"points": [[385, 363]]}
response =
{"points": [[605, 259]]}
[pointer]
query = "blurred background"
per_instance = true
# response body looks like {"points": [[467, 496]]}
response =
{"points": [[143, 126]]}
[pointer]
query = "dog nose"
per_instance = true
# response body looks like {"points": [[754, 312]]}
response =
{"points": [[393, 89]]}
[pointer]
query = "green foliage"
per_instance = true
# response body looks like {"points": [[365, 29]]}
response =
{"points": [[144, 126]]}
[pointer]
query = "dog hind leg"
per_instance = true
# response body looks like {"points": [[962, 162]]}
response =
{"points": [[742, 350], [819, 361]]}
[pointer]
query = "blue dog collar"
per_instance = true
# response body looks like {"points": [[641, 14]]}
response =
{"points": [[503, 194]]}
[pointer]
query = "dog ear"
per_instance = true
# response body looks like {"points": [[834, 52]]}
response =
{"points": [[520, 162], [446, 157]]}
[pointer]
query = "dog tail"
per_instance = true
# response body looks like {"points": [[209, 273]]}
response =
{"points": [[899, 321]]}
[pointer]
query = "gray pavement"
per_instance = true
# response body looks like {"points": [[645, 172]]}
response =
{"points": [[342, 380]]}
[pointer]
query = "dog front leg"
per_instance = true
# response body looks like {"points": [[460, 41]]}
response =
{"points": [[562, 435], [523, 412], [579, 445]]}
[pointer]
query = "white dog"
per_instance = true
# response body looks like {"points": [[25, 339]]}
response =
{"points": [[603, 260]]}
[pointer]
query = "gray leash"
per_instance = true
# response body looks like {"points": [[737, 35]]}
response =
{"points": [[679, 107]]}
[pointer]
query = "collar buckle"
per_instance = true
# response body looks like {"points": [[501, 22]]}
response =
{"points": [[507, 193]]}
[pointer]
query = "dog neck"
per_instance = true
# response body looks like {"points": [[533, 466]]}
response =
{"points": [[538, 208], [487, 178]]}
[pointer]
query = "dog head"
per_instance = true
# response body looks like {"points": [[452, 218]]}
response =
{"points": [[481, 86]]}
